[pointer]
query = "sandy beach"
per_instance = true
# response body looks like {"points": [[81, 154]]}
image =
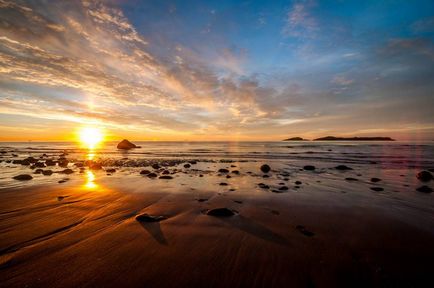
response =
{"points": [[326, 228]]}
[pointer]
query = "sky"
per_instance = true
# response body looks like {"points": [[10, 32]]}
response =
{"points": [[216, 70]]}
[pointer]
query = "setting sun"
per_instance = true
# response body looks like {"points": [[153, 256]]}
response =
{"points": [[90, 136]]}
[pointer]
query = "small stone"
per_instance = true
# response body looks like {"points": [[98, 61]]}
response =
{"points": [[47, 172], [351, 179], [23, 177], [424, 176], [223, 184], [236, 172], [149, 218], [378, 189], [223, 170], [111, 170], [309, 167], [298, 182], [304, 231], [374, 179], [155, 166], [168, 177], [66, 171], [187, 165], [145, 172], [424, 189], [152, 175], [265, 168], [283, 188], [343, 167], [263, 186], [220, 212]]}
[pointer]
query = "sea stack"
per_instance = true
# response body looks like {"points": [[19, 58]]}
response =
{"points": [[126, 145]]}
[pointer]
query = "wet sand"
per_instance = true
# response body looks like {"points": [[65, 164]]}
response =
{"points": [[328, 232]]}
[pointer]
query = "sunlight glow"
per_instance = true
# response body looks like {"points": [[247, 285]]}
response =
{"points": [[90, 137], [90, 178]]}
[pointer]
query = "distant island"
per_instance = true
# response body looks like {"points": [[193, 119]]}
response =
{"points": [[295, 139], [333, 138]]}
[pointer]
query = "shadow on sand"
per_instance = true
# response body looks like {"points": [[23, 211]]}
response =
{"points": [[154, 230], [255, 229]]}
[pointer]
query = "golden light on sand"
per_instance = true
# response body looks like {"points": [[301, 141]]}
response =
{"points": [[90, 178], [90, 137]]}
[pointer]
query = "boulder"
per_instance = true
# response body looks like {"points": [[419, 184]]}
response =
{"points": [[23, 177], [220, 212], [265, 168], [126, 145], [424, 176], [309, 167]]}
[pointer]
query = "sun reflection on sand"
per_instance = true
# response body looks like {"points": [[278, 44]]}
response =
{"points": [[90, 180]]}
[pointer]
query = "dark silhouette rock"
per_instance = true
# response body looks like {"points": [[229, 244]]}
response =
{"points": [[47, 172], [297, 182], [50, 162], [265, 168], [343, 168], [424, 189], [152, 175], [126, 145], [165, 172], [309, 167], [149, 218], [374, 179], [111, 170], [40, 164], [263, 186], [223, 170], [23, 177], [38, 171], [236, 172], [223, 184], [295, 139], [424, 176], [155, 166], [165, 177], [66, 171], [378, 189], [351, 179], [283, 188], [220, 212], [187, 165]]}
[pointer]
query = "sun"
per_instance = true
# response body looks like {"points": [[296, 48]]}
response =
{"points": [[90, 137]]}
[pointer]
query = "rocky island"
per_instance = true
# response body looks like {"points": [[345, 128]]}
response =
{"points": [[295, 139]]}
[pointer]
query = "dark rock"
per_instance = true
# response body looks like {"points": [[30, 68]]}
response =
{"points": [[202, 199], [23, 177], [17, 161], [66, 171], [200, 175], [223, 170], [40, 164], [297, 182], [351, 179], [283, 188], [424, 176], [126, 145], [79, 164], [50, 162], [63, 180], [187, 165], [155, 166], [309, 167], [47, 172], [111, 170], [236, 172], [304, 231], [192, 162], [165, 177], [265, 176], [62, 163], [145, 172], [374, 179], [343, 167], [149, 218], [220, 212], [265, 168], [263, 186], [378, 189], [238, 201], [424, 189], [38, 171], [223, 184]]}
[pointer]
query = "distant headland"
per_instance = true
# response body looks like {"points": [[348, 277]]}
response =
{"points": [[333, 138]]}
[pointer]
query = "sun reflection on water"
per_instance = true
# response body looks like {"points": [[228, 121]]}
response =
{"points": [[90, 180]]}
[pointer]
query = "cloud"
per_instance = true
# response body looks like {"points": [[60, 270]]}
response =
{"points": [[300, 22]]}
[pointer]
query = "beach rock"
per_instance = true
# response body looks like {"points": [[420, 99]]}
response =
{"points": [[165, 177], [95, 166], [265, 168], [23, 177], [126, 145], [263, 186], [202, 199], [223, 170], [297, 182], [63, 180], [47, 172], [283, 188], [236, 172], [343, 167], [309, 167], [17, 161], [223, 184], [66, 171], [220, 212], [165, 172], [187, 165], [193, 162], [38, 171], [265, 176], [145, 172], [111, 170], [40, 164], [79, 164], [304, 231], [50, 162], [351, 179], [424, 189], [155, 166], [378, 189], [152, 175], [149, 218], [424, 176], [62, 163], [374, 179]]}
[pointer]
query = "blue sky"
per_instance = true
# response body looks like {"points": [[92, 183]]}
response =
{"points": [[217, 70]]}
